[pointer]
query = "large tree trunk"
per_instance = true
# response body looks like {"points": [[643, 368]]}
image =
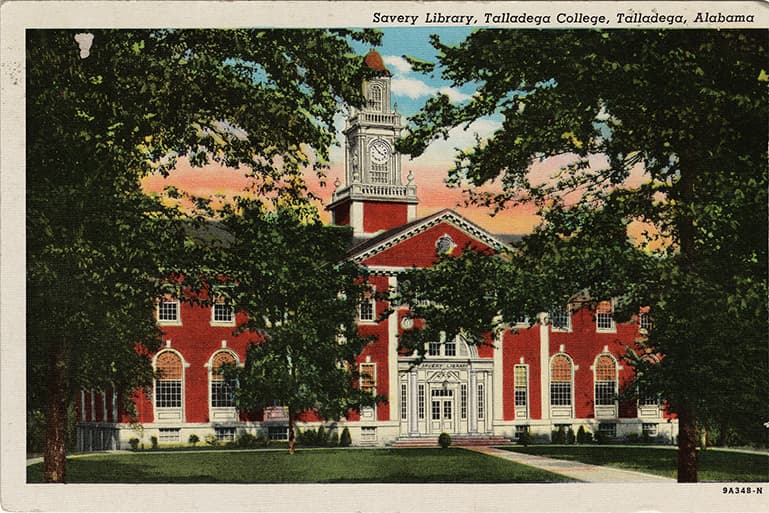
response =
{"points": [[687, 447], [291, 449], [54, 458], [687, 422]]}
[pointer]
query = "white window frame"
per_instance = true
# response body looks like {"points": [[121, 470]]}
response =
{"points": [[277, 432], [220, 412], [169, 322], [225, 433], [566, 327], [169, 413], [650, 429], [522, 410], [368, 413], [368, 434], [438, 348], [421, 402], [602, 409], [561, 410], [612, 328], [644, 322], [481, 401], [230, 310], [372, 303], [404, 399], [608, 428], [520, 429], [169, 435], [375, 95]]}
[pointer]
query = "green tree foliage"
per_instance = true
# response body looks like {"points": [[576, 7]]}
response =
{"points": [[99, 252], [685, 110], [288, 274], [458, 295]]}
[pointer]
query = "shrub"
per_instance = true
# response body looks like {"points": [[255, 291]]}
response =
{"points": [[333, 440], [524, 438], [633, 438], [344, 439], [570, 437], [134, 443], [212, 440], [308, 437], [600, 437], [558, 436], [581, 435], [444, 440], [193, 439], [321, 438], [154, 442], [247, 440]]}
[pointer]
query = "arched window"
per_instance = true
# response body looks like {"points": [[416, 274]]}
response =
{"points": [[375, 97], [605, 380], [561, 379], [222, 390], [168, 384]]}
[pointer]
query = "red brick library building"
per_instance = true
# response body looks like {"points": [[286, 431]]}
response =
{"points": [[565, 370]]}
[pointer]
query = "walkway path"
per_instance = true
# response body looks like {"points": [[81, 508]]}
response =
{"points": [[573, 469]]}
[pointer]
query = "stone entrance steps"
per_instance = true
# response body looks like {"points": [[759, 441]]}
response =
{"points": [[456, 440]]}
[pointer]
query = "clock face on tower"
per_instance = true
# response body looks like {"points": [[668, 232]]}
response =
{"points": [[379, 151]]}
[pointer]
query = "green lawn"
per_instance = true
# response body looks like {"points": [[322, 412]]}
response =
{"points": [[714, 465], [452, 465]]}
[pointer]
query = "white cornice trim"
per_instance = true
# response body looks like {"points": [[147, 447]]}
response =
{"points": [[448, 216]]}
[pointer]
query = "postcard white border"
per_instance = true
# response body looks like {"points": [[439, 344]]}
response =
{"points": [[15, 17]]}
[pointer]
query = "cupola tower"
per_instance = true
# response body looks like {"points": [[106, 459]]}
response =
{"points": [[373, 197]]}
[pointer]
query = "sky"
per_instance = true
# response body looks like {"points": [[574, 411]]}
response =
{"points": [[410, 90]]}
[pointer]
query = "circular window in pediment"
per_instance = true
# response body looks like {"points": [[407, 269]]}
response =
{"points": [[444, 244]]}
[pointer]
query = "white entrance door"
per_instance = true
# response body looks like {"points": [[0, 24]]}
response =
{"points": [[442, 414]]}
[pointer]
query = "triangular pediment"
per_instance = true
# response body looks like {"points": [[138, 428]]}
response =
{"points": [[421, 236]]}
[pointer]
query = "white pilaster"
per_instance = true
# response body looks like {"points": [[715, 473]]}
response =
{"points": [[413, 402], [472, 404], [392, 358], [498, 404], [411, 212], [356, 216], [544, 370]]}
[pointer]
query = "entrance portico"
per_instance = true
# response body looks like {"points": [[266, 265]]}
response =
{"points": [[449, 392]]}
